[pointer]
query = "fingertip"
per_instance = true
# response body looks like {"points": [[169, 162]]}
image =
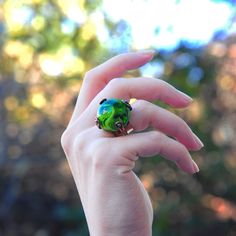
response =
{"points": [[195, 167], [146, 54], [131, 61], [189, 167], [187, 100], [194, 143], [179, 99], [186, 167], [180, 103], [198, 141]]}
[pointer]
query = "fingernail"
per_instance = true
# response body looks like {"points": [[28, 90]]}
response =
{"points": [[198, 141], [195, 167], [185, 96], [146, 53]]}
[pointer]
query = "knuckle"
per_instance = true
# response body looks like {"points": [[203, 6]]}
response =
{"points": [[65, 140], [141, 105], [77, 151], [182, 148], [97, 163], [98, 150], [79, 143], [116, 83], [89, 75], [156, 136], [98, 154], [71, 143]]}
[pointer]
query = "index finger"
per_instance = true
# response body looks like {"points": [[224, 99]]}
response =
{"points": [[96, 79]]}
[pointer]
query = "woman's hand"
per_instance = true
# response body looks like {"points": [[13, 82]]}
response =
{"points": [[114, 200]]}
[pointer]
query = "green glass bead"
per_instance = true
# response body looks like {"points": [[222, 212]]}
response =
{"points": [[113, 114]]}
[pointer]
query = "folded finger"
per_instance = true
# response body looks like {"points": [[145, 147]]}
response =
{"points": [[154, 143], [146, 114]]}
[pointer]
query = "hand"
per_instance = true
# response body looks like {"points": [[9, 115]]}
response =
{"points": [[114, 200]]}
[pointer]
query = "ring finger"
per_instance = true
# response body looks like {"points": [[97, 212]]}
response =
{"points": [[146, 114]]}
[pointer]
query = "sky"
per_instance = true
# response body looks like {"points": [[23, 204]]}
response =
{"points": [[141, 24], [159, 24], [163, 24]]}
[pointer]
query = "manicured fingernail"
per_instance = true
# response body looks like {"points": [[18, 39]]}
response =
{"points": [[198, 141], [195, 167], [185, 96], [146, 53]]}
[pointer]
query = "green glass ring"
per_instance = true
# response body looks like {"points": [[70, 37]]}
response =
{"points": [[113, 115]]}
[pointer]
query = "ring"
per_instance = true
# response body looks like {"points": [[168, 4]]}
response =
{"points": [[113, 115]]}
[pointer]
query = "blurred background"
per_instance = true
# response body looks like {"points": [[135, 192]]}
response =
{"points": [[46, 46]]}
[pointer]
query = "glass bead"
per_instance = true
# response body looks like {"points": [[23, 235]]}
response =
{"points": [[113, 115]]}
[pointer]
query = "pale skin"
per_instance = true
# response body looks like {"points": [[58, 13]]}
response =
{"points": [[114, 199]]}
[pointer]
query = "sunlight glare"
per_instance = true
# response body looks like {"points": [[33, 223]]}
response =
{"points": [[163, 24]]}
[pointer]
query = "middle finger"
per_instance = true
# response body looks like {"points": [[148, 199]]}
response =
{"points": [[141, 88]]}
